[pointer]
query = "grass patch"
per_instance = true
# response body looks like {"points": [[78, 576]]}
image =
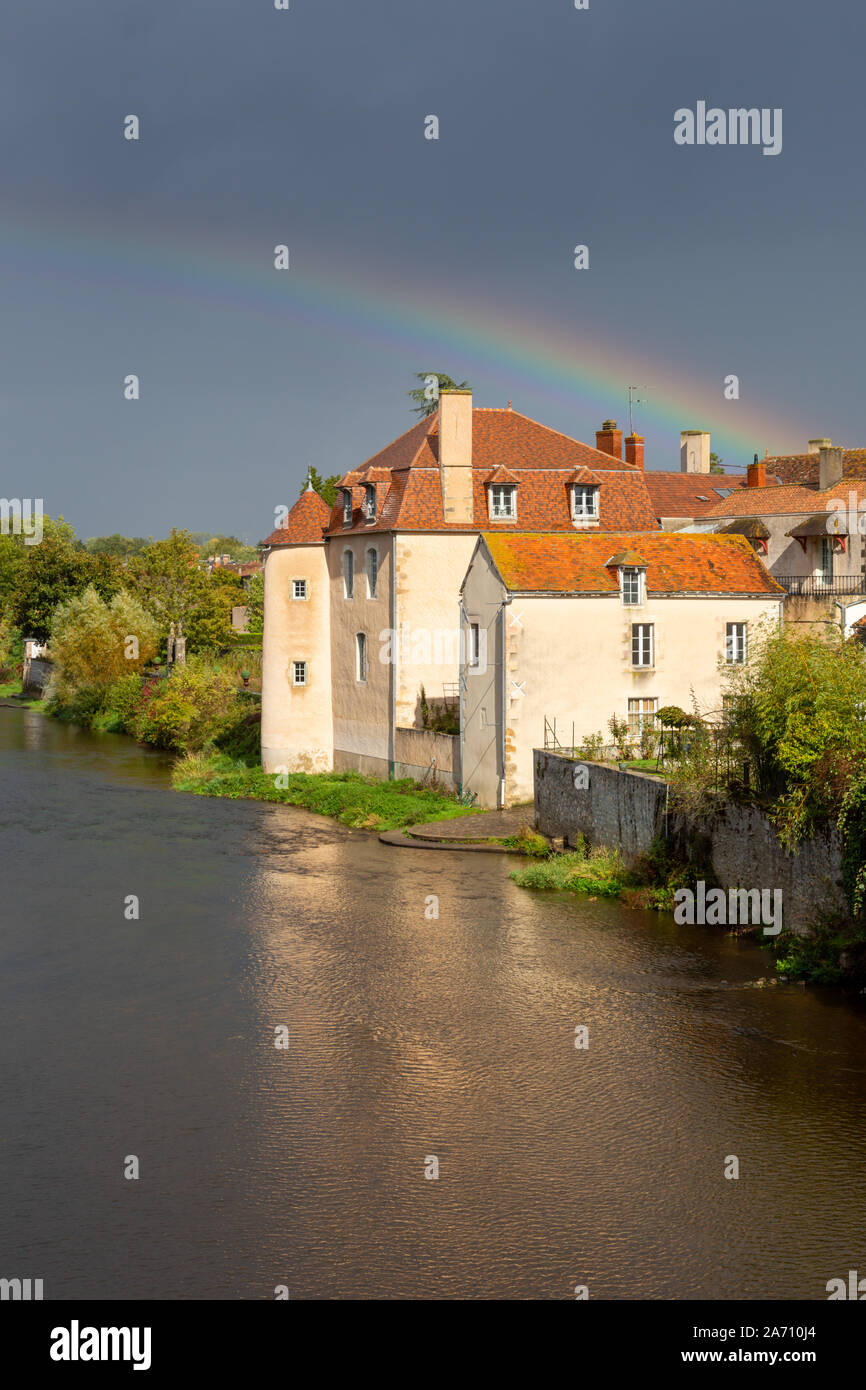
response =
{"points": [[527, 842], [8, 689], [600, 873], [364, 803], [644, 765]]}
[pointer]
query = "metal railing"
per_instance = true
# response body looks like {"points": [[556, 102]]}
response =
{"points": [[821, 586]]}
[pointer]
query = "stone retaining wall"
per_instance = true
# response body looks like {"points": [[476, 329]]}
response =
{"points": [[626, 810]]}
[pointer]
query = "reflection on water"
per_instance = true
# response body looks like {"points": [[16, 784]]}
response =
{"points": [[408, 1037]]}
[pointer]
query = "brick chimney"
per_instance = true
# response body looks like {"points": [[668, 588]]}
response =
{"points": [[816, 445], [634, 449], [756, 473], [829, 467], [694, 451], [608, 440], [455, 455]]}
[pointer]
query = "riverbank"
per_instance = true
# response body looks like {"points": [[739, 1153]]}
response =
{"points": [[361, 803]]}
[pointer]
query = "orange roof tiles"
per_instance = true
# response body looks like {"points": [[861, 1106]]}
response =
{"points": [[305, 522], [506, 447], [688, 494], [777, 501], [677, 563], [803, 468]]}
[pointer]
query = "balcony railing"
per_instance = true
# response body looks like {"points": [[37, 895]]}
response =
{"points": [[820, 586]]}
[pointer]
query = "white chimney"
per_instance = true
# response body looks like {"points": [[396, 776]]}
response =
{"points": [[694, 451], [455, 455], [816, 445]]}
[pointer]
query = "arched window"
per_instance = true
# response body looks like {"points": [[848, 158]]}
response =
{"points": [[360, 656], [372, 571], [349, 573]]}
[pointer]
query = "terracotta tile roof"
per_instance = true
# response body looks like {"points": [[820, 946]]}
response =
{"points": [[305, 522], [688, 494], [803, 468], [508, 447], [677, 563], [500, 475], [777, 501]]}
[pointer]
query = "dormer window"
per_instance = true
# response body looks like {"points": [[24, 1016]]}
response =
{"points": [[370, 501], [347, 506], [503, 501], [632, 586], [584, 502]]}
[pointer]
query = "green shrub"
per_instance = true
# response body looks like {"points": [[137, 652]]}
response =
{"points": [[187, 710], [95, 643]]}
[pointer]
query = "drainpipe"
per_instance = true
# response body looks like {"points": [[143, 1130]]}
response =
{"points": [[395, 649], [464, 625], [504, 706]]}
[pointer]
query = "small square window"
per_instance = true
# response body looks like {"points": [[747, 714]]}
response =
{"points": [[299, 588], [299, 673]]}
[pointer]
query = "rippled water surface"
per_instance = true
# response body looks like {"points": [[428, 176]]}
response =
{"points": [[408, 1038]]}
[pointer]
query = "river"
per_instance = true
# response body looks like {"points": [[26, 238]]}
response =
{"points": [[409, 1038]]}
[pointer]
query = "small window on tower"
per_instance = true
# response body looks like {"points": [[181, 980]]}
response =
{"points": [[299, 588]]}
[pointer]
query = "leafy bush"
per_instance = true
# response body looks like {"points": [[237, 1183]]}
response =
{"points": [[188, 709], [592, 747], [622, 737], [95, 643]]}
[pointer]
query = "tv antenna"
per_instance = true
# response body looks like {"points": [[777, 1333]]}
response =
{"points": [[635, 399]]}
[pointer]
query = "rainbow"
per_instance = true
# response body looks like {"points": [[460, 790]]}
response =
{"points": [[488, 343]]}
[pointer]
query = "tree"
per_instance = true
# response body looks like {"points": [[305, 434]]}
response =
{"points": [[95, 643], [325, 487], [426, 396], [52, 572], [716, 464], [256, 603], [170, 581], [228, 545], [118, 545]]}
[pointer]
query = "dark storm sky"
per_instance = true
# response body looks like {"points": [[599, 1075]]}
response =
{"points": [[261, 127]]}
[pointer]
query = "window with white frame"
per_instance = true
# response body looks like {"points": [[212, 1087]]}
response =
{"points": [[347, 506], [735, 644], [370, 501], [503, 501], [360, 656], [348, 573], [372, 571], [299, 588], [642, 715], [632, 582], [584, 502], [474, 644], [299, 673], [642, 644]]}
